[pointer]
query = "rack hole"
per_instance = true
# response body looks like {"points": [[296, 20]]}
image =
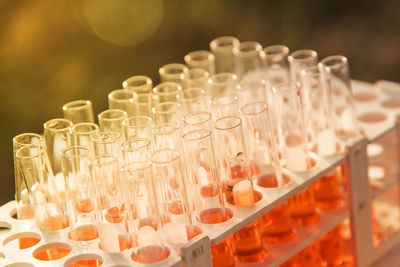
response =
{"points": [[52, 251], [22, 240], [372, 117], [365, 97], [151, 254], [84, 260], [20, 264], [391, 103], [5, 227]]}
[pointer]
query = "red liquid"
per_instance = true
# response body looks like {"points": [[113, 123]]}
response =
{"points": [[27, 242], [309, 257], [84, 206], [247, 244], [54, 223], [277, 225], [222, 255], [176, 208], [326, 190], [84, 233], [302, 208], [214, 215], [52, 254], [86, 263], [150, 254], [331, 247]]}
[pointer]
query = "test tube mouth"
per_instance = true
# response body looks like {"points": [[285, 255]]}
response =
{"points": [[121, 95], [254, 108], [199, 56], [166, 107], [224, 42], [276, 51], [247, 48], [286, 88], [77, 104], [165, 156], [196, 135], [75, 152], [112, 114], [135, 144], [197, 73], [137, 82], [191, 94], [107, 137], [173, 69], [30, 151], [167, 87], [224, 99], [136, 121], [334, 62], [136, 166], [26, 139], [228, 123], [165, 128], [302, 55], [103, 160], [85, 128], [58, 124], [201, 117], [249, 84]]}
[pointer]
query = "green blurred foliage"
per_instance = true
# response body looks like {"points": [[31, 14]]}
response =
{"points": [[52, 52]]}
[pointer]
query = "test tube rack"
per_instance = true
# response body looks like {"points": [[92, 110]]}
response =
{"points": [[196, 253]]}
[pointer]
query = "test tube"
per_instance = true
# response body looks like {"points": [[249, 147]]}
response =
{"points": [[122, 99], [44, 191], [144, 213], [197, 120], [167, 112], [78, 111], [172, 187], [300, 59], [201, 59], [344, 114], [224, 105], [192, 99], [82, 135], [222, 48], [167, 92], [197, 78], [251, 90], [110, 212], [138, 84], [167, 135], [276, 64], [222, 83], [136, 149], [108, 143], [80, 194], [24, 205], [173, 72], [137, 126], [57, 136], [111, 120], [248, 60]]}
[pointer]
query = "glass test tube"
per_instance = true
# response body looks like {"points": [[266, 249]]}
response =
{"points": [[248, 61], [167, 112], [276, 65], [136, 149], [78, 111], [251, 90], [173, 72], [57, 136], [137, 126], [24, 205], [167, 92], [80, 194], [201, 59], [300, 59], [111, 120], [82, 135], [144, 213], [172, 187], [110, 203], [224, 105], [222, 48], [167, 135], [44, 191], [138, 84], [122, 99], [345, 121], [108, 143], [197, 120], [192, 99], [222, 83], [197, 78]]}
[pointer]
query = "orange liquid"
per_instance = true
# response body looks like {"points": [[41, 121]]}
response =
{"points": [[214, 215], [331, 247], [113, 215], [84, 233], [209, 191], [302, 208], [25, 212], [84, 206], [148, 222], [86, 263], [289, 263], [193, 231], [228, 188], [52, 254], [247, 244], [309, 257], [222, 255], [277, 225], [27, 242], [150, 254], [54, 223], [270, 181], [326, 190], [176, 208]]}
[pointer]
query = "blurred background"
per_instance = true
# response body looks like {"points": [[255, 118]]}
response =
{"points": [[53, 52]]}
